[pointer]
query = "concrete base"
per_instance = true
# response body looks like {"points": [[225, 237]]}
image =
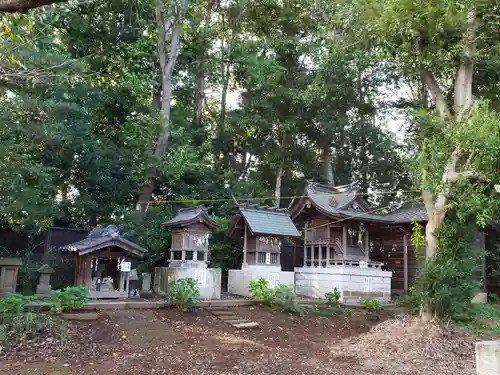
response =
{"points": [[209, 280], [43, 290], [488, 357], [239, 280], [480, 298], [353, 283]]}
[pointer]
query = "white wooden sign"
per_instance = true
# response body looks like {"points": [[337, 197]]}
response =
{"points": [[363, 264], [268, 258], [195, 255], [367, 287], [201, 277], [274, 280], [125, 266]]}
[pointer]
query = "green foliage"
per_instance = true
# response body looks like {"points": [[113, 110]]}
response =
{"points": [[373, 308], [483, 320], [285, 299], [25, 326], [281, 297], [417, 237], [183, 294], [333, 298], [447, 283], [260, 289], [14, 304], [67, 299]]}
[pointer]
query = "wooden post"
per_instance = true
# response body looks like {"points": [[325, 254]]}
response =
{"points": [[305, 245], [405, 261], [328, 246], [344, 241], [367, 246], [488, 357], [245, 247]]}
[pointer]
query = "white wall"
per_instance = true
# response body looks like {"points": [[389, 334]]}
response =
{"points": [[353, 282], [239, 280]]}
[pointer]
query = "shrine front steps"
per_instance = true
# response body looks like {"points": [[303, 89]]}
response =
{"points": [[230, 317]]}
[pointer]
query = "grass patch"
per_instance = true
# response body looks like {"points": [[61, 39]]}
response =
{"points": [[483, 320]]}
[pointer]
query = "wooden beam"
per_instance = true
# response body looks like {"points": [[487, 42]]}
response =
{"points": [[405, 262]]}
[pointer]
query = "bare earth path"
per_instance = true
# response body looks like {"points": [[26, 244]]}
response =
{"points": [[169, 342]]}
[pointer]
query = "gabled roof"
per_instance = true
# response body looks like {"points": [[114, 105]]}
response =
{"points": [[100, 238], [405, 215], [337, 201], [190, 215], [266, 221]]}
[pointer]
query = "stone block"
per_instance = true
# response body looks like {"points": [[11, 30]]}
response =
{"points": [[146, 282], [488, 357]]}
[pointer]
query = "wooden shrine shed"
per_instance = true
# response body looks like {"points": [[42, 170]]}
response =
{"points": [[262, 228], [103, 262], [340, 229], [190, 230]]}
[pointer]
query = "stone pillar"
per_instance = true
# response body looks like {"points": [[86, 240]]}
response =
{"points": [[43, 287], [488, 357], [146, 282]]}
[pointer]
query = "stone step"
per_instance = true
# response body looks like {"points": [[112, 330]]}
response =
{"points": [[221, 313], [237, 321], [228, 317], [248, 325]]}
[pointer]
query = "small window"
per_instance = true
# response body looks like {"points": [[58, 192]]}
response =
{"points": [[189, 255], [177, 255], [200, 256]]}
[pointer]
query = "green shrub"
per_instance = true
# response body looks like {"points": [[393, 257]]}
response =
{"points": [[260, 289], [26, 326], [372, 306], [446, 284], [68, 298], [183, 293], [333, 298], [285, 299], [15, 303]]}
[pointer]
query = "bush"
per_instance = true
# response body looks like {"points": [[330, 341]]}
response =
{"points": [[67, 299], [260, 289], [446, 284], [333, 298], [15, 303], [281, 297], [25, 326], [372, 306], [285, 299], [183, 293]]}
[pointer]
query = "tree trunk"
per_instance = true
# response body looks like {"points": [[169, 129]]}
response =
{"points": [[22, 6], [277, 189], [328, 175], [168, 29]]}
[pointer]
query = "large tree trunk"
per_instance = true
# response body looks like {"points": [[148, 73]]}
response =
{"points": [[22, 6], [169, 29], [326, 156]]}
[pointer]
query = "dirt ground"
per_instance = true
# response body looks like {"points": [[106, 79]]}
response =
{"points": [[170, 342]]}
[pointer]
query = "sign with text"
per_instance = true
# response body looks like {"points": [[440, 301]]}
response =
{"points": [[125, 266], [268, 258], [201, 277], [363, 264]]}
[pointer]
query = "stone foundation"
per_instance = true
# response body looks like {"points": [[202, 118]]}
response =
{"points": [[209, 280], [239, 280], [353, 283]]}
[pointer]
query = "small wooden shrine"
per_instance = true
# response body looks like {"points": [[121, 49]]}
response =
{"points": [[262, 228], [190, 230], [103, 262]]}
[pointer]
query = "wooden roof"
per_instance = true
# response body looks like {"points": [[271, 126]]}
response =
{"points": [[270, 221], [334, 201], [190, 215], [100, 238]]}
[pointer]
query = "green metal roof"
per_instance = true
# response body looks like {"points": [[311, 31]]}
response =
{"points": [[269, 222]]}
